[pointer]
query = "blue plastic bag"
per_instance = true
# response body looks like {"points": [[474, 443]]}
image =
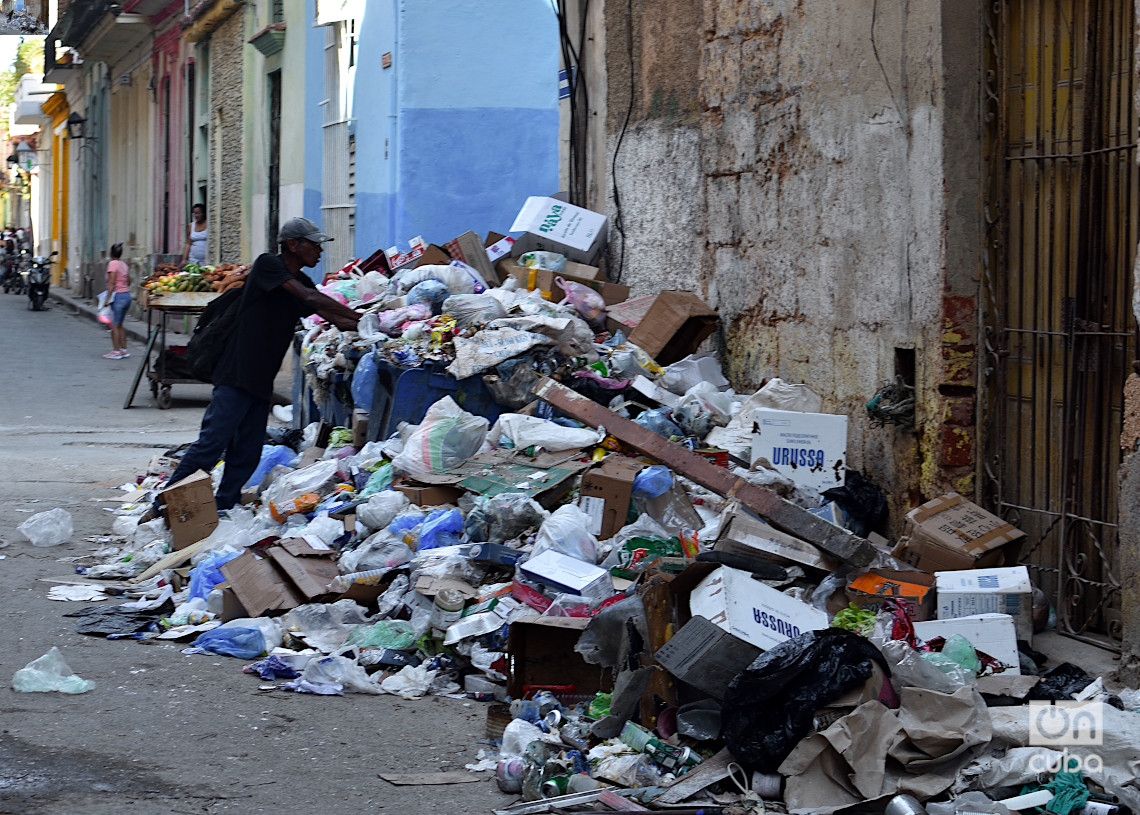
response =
{"points": [[208, 573], [243, 643], [271, 456], [443, 527], [364, 382], [652, 481], [402, 523]]}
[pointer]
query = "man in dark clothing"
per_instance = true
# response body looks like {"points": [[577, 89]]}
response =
{"points": [[276, 295]]}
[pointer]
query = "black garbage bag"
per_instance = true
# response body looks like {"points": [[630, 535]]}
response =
{"points": [[769, 706], [116, 621], [864, 505], [1060, 683]]}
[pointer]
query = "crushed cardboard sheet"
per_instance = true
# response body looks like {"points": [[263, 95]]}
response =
{"points": [[429, 779]]}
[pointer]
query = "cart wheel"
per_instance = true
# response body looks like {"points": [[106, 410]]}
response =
{"points": [[164, 399], [154, 388]]}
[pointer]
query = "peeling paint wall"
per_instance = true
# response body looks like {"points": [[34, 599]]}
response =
{"points": [[816, 178]]}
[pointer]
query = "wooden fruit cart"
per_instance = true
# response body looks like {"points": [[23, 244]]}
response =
{"points": [[159, 309]]}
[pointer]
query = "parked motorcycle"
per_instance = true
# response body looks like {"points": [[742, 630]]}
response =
{"points": [[10, 278], [38, 277]]}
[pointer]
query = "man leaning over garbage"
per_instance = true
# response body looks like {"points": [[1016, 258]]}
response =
{"points": [[276, 295]]}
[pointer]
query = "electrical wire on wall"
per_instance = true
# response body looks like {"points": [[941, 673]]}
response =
{"points": [[619, 225], [579, 99]]}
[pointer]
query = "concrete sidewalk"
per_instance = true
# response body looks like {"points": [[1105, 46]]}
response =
{"points": [[175, 335]]}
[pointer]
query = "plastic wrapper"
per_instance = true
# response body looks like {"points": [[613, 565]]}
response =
{"points": [[550, 261], [378, 481], [390, 323], [431, 293], [398, 635], [393, 596], [445, 562], [502, 517], [574, 337], [653, 481], [1061, 682], [769, 707], [411, 682], [473, 309], [338, 670], [567, 530], [380, 551], [49, 673], [960, 652], [672, 509], [512, 383], [316, 478], [782, 395], [909, 669], [442, 527], [490, 347], [587, 302], [325, 626], [660, 422], [49, 528], [447, 436], [531, 431], [243, 643]]}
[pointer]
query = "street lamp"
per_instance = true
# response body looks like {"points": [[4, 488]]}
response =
{"points": [[75, 126]]}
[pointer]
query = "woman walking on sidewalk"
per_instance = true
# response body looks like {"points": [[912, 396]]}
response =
{"points": [[119, 290]]}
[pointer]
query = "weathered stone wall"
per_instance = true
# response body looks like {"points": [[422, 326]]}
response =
{"points": [[789, 161], [226, 217]]}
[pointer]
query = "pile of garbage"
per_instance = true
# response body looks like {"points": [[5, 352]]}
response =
{"points": [[668, 594]]}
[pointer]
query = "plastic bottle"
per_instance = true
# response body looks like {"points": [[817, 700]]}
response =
{"points": [[306, 502], [370, 577], [447, 609]]}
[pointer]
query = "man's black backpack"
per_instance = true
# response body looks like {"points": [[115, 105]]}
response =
{"points": [[213, 331]]}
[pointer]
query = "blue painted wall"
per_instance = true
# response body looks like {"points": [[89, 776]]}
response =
{"points": [[469, 112], [314, 117]]}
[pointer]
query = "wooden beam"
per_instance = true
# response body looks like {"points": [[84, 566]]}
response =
{"points": [[779, 512]]}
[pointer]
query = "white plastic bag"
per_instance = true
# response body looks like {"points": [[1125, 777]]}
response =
{"points": [[338, 670], [313, 478], [682, 375], [781, 395], [567, 530], [411, 682], [49, 673], [471, 309], [447, 436], [49, 528], [381, 551], [381, 508], [517, 735], [527, 431]]}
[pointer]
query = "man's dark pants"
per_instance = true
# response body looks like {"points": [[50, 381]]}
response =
{"points": [[234, 427]]}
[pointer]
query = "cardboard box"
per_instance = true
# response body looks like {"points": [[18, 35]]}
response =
{"points": [[469, 248], [809, 448], [232, 609], [745, 533], [628, 315], [751, 610], [914, 589], [190, 509], [705, 656], [430, 495], [1003, 590], [260, 586], [310, 575], [359, 428], [555, 226], [675, 325], [951, 533], [559, 573], [993, 634], [543, 280], [605, 494], [540, 651]]}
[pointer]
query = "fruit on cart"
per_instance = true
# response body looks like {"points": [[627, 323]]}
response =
{"points": [[168, 277]]}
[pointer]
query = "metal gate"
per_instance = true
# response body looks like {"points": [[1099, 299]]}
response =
{"points": [[1058, 329]]}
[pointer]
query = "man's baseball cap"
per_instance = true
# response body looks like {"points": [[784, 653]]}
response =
{"points": [[302, 228]]}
